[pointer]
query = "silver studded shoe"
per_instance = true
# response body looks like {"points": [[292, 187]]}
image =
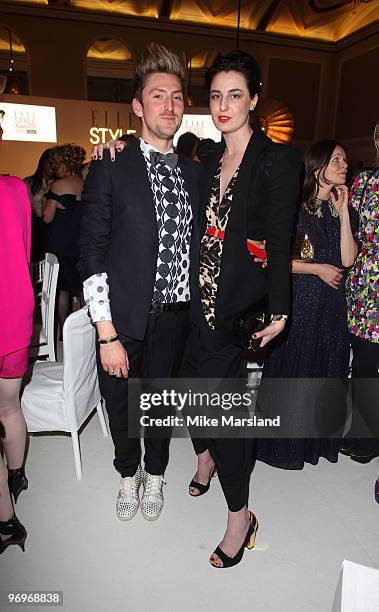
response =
{"points": [[127, 502], [152, 498]]}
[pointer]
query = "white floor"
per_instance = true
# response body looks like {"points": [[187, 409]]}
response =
{"points": [[309, 522]]}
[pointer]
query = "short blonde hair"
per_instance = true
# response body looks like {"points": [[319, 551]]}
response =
{"points": [[157, 58]]}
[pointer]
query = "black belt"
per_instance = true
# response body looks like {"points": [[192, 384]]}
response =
{"points": [[175, 307]]}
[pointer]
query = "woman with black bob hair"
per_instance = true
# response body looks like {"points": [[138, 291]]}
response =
{"points": [[187, 145], [250, 194], [38, 184], [43, 174], [315, 344]]}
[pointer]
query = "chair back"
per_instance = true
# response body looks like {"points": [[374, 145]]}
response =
{"points": [[81, 391], [36, 271], [49, 289]]}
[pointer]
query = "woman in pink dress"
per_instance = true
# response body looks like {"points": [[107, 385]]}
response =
{"points": [[16, 319]]}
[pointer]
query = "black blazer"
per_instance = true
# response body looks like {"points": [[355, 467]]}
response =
{"points": [[263, 207], [119, 233]]}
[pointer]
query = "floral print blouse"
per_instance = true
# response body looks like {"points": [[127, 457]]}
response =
{"points": [[211, 247], [362, 284]]}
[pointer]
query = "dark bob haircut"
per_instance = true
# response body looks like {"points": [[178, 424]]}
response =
{"points": [[317, 158], [187, 144], [238, 61]]}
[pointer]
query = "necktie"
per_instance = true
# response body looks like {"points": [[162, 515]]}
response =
{"points": [[171, 159]]}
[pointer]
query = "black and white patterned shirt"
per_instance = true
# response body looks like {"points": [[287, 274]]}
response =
{"points": [[174, 221]]}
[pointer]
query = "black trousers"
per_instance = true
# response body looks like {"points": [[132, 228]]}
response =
{"points": [[365, 393], [233, 457], [159, 355]]}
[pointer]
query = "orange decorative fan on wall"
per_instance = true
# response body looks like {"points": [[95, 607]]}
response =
{"points": [[275, 120]]}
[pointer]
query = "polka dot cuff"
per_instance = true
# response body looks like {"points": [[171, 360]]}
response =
{"points": [[96, 290]]}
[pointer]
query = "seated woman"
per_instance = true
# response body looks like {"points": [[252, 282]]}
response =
{"points": [[62, 212]]}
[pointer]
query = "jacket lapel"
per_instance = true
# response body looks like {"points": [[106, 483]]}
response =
{"points": [[257, 143], [138, 179], [211, 166], [253, 151], [192, 188]]}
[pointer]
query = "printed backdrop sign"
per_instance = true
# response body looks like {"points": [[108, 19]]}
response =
{"points": [[27, 122], [201, 125]]}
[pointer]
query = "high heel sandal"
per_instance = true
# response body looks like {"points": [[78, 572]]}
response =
{"points": [[15, 530], [201, 487], [248, 543], [17, 482]]}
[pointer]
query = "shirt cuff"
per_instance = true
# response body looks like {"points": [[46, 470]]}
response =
{"points": [[96, 295]]}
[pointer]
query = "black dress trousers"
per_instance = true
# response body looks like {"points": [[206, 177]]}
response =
{"points": [[365, 419], [158, 355], [234, 457]]}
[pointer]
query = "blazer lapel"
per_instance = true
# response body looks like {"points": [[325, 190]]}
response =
{"points": [[192, 188], [210, 170], [135, 166], [257, 143]]}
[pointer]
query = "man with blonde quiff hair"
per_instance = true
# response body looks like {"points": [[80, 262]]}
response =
{"points": [[138, 250], [157, 58]]}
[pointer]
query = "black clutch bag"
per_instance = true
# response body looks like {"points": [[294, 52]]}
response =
{"points": [[246, 324]]}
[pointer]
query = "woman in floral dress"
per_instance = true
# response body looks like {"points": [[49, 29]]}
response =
{"points": [[363, 309]]}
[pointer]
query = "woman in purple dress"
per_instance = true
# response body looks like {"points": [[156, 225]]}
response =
{"points": [[315, 344]]}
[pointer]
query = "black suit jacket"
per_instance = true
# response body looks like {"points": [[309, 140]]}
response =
{"points": [[263, 207], [119, 233]]}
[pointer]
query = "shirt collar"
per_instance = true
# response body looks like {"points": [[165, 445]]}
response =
{"points": [[146, 148]]}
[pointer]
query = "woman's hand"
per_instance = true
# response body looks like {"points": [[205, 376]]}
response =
{"points": [[260, 245], [111, 145], [341, 201], [331, 275], [269, 332], [114, 359]]}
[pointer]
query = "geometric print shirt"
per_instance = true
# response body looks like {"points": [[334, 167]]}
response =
{"points": [[174, 221]]}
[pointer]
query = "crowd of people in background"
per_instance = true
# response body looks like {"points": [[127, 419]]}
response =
{"points": [[326, 310]]}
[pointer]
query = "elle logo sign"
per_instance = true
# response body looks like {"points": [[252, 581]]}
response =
{"points": [[28, 123], [106, 120], [102, 134]]}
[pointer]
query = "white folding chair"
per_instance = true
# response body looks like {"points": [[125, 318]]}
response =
{"points": [[37, 269], [42, 342], [254, 374], [60, 396]]}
